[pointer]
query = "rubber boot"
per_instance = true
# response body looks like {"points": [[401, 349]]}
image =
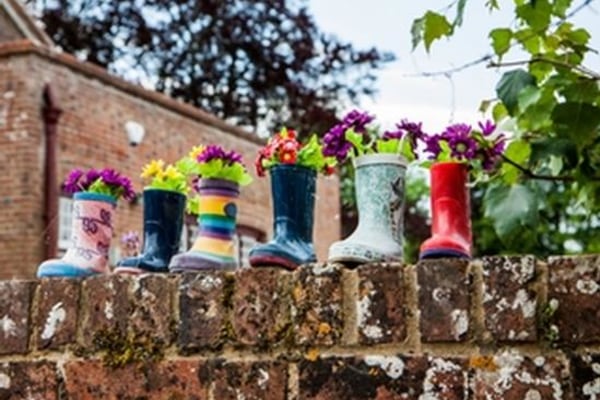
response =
{"points": [[214, 247], [91, 236], [163, 222], [293, 190], [379, 187], [450, 211]]}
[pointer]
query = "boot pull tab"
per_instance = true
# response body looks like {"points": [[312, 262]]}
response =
{"points": [[230, 210]]}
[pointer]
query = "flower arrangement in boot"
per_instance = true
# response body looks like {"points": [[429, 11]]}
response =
{"points": [[218, 175], [95, 195], [164, 203], [293, 167], [451, 154], [380, 165]]}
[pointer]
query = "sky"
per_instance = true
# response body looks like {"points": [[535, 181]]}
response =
{"points": [[386, 24]]}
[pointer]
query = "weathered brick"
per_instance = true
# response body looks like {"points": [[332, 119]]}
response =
{"points": [[384, 378], [203, 299], [508, 300], [380, 314], [574, 295], [57, 314], [261, 307], [28, 380], [153, 312], [106, 306], [513, 376], [15, 302], [585, 373], [249, 380], [444, 298], [177, 379], [317, 305]]}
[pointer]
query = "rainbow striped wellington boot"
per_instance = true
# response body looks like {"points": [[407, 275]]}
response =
{"points": [[214, 247]]}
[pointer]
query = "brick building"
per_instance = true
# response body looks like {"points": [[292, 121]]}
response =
{"points": [[43, 89]]}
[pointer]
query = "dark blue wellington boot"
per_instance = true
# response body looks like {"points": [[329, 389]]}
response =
{"points": [[293, 191], [163, 221]]}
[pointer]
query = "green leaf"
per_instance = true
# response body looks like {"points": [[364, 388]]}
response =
{"points": [[387, 146], [579, 36], [511, 208], [501, 40], [543, 149], [357, 141], [484, 105], [416, 31], [530, 40], [492, 5], [499, 112], [528, 96], [510, 85], [560, 7], [577, 121], [435, 26], [460, 11], [536, 15], [583, 90], [517, 151]]}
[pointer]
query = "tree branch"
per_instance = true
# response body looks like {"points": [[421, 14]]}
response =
{"points": [[530, 174], [581, 69]]}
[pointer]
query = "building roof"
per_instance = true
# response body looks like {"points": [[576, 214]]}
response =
{"points": [[24, 22]]}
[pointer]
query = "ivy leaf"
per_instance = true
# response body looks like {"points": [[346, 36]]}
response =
{"points": [[511, 208], [492, 4], [584, 90], [501, 40], [435, 26], [499, 112], [510, 85], [578, 121]]}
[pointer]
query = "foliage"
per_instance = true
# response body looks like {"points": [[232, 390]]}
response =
{"points": [[544, 199], [284, 148], [242, 60], [106, 181], [166, 177]]}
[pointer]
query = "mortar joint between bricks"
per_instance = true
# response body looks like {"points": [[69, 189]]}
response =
{"points": [[412, 308], [32, 314]]}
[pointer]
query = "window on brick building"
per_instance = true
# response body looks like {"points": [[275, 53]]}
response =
{"points": [[65, 217]]}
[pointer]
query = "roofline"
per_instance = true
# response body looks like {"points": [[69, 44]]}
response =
{"points": [[27, 47], [25, 22]]}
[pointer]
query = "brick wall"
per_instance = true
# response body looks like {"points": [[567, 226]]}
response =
{"points": [[91, 134], [496, 328]]}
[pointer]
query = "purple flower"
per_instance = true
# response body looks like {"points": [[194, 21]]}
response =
{"points": [[412, 130], [432, 145], [335, 143], [492, 155], [357, 120], [462, 145], [90, 177], [487, 128], [214, 152], [71, 184]]}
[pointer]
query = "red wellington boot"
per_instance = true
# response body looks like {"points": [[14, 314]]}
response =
{"points": [[451, 225]]}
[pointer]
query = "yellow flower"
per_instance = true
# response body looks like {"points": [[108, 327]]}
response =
{"points": [[153, 169], [196, 151], [172, 173]]}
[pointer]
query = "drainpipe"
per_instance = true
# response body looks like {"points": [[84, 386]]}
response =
{"points": [[51, 114]]}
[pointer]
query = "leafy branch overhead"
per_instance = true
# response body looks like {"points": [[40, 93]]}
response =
{"points": [[550, 99], [242, 60]]}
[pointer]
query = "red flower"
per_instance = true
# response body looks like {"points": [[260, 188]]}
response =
{"points": [[288, 152], [329, 169]]}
